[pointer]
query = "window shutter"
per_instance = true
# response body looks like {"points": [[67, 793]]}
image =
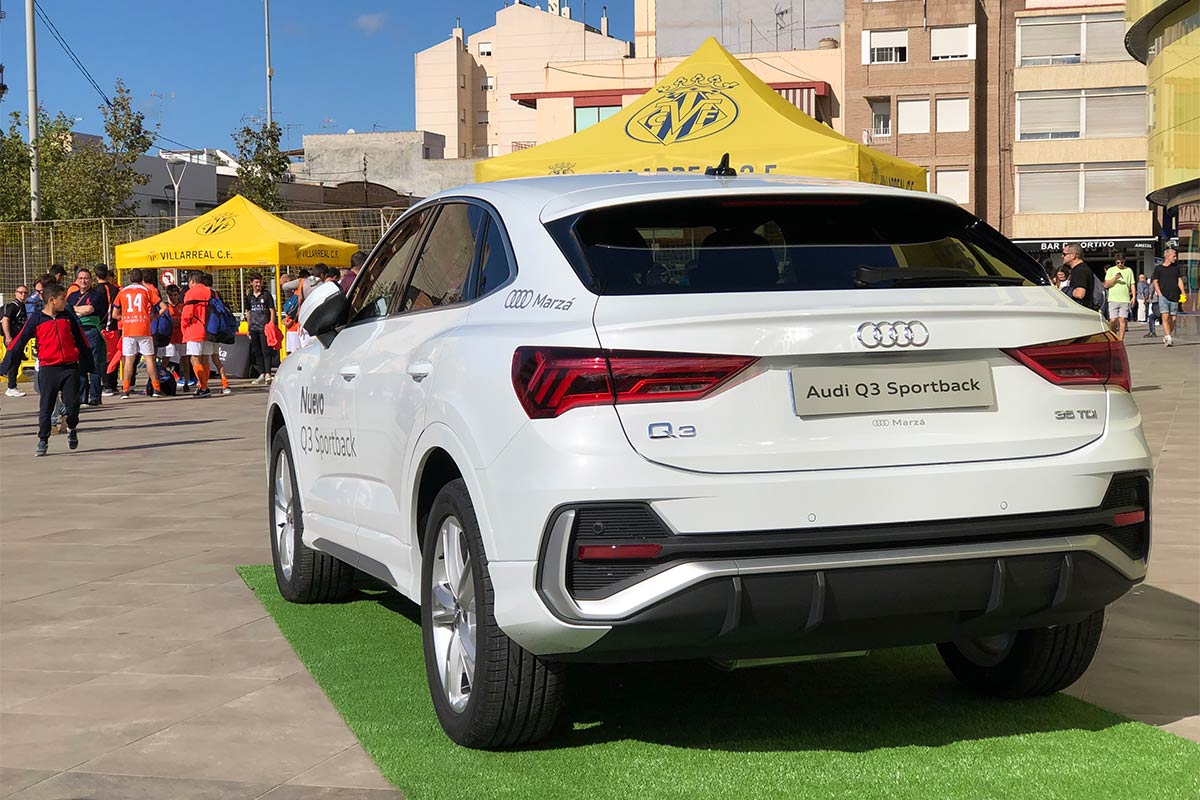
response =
{"points": [[1040, 115], [1106, 41], [954, 183], [953, 114], [913, 116], [949, 42], [1048, 192], [1043, 41], [1112, 116], [1114, 189], [889, 38]]}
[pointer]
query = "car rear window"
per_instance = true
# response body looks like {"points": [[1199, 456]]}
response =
{"points": [[760, 243]]}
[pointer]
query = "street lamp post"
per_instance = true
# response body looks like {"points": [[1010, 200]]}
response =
{"points": [[175, 181]]}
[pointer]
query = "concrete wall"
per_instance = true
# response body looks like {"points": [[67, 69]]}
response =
{"points": [[744, 26], [197, 190], [394, 159]]}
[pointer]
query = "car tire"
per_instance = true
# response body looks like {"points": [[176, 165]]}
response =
{"points": [[304, 575], [508, 696], [1026, 663]]}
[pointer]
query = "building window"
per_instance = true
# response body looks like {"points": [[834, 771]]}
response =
{"points": [[953, 114], [885, 47], [493, 150], [485, 48], [1044, 41], [955, 184], [587, 116], [881, 117], [481, 117], [952, 44], [489, 83], [1082, 114], [1076, 188], [912, 116]]}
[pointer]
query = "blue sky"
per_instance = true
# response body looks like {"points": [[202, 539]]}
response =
{"points": [[198, 69]]}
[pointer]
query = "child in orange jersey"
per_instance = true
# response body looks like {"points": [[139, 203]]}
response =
{"points": [[136, 305]]}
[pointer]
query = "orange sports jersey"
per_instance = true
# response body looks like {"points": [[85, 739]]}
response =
{"points": [[136, 303]]}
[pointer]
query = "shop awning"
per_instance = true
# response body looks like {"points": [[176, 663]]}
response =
{"points": [[709, 105]]}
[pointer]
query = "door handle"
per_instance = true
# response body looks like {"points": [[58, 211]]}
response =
{"points": [[349, 372], [419, 370]]}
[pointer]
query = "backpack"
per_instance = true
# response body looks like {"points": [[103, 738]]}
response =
{"points": [[160, 329], [1098, 293], [221, 325], [166, 382], [291, 306]]}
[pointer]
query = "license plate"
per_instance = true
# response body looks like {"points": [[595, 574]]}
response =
{"points": [[822, 391]]}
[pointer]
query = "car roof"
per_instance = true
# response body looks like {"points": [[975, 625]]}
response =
{"points": [[559, 196]]}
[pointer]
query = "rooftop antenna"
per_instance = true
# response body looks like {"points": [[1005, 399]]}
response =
{"points": [[722, 170]]}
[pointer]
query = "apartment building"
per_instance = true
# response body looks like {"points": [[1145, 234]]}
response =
{"points": [[464, 86], [923, 82], [1079, 135], [667, 28]]}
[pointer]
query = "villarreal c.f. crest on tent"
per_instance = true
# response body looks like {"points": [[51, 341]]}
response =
{"points": [[709, 105]]}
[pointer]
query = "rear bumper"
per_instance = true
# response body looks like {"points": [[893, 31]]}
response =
{"points": [[762, 614]]}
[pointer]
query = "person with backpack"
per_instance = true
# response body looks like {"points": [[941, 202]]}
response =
{"points": [[1084, 283], [11, 323], [220, 327], [192, 321], [260, 311], [62, 353]]}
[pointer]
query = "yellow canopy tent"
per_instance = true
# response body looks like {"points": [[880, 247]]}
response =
{"points": [[234, 235], [709, 105]]}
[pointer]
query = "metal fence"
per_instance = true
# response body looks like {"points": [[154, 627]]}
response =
{"points": [[27, 249]]}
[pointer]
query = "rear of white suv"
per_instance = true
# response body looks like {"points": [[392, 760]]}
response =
{"points": [[734, 420]]}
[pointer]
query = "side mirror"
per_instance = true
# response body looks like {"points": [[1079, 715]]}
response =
{"points": [[323, 310]]}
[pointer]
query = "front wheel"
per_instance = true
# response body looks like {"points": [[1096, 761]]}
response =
{"points": [[303, 575], [487, 690], [1026, 663]]}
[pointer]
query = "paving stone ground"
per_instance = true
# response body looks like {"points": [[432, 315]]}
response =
{"points": [[134, 663]]}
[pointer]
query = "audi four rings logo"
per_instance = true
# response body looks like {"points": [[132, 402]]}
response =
{"points": [[519, 298], [893, 334]]}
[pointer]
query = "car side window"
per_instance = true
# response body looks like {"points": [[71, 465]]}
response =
{"points": [[440, 277], [381, 279], [494, 265]]}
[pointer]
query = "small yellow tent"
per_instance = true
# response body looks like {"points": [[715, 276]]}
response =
{"points": [[236, 233], [708, 105]]}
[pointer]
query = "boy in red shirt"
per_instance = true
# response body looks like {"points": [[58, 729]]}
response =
{"points": [[62, 351], [195, 337], [135, 306]]}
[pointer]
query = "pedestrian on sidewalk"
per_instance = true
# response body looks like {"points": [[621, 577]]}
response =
{"points": [[1118, 279], [195, 337], [62, 353], [11, 323], [135, 307], [90, 304], [215, 356], [1168, 282], [1083, 280], [260, 310], [107, 283]]}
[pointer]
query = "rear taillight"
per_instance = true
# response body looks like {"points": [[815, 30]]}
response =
{"points": [[552, 380], [1090, 361]]}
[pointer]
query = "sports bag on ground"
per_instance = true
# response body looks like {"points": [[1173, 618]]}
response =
{"points": [[221, 325]]}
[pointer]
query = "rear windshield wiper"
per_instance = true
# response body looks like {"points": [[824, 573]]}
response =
{"points": [[892, 277]]}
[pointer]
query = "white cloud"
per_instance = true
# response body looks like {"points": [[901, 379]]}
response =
{"points": [[371, 24]]}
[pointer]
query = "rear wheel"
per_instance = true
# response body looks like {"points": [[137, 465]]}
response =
{"points": [[488, 691], [304, 575], [1026, 663]]}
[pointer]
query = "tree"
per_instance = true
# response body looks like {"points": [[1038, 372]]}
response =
{"points": [[78, 176], [260, 164]]}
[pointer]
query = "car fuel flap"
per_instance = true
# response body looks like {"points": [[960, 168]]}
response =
{"points": [[934, 388]]}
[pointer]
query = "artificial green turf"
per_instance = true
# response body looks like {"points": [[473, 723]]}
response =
{"points": [[894, 725]]}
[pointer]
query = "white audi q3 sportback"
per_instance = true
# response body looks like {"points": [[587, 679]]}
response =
{"points": [[626, 417]]}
